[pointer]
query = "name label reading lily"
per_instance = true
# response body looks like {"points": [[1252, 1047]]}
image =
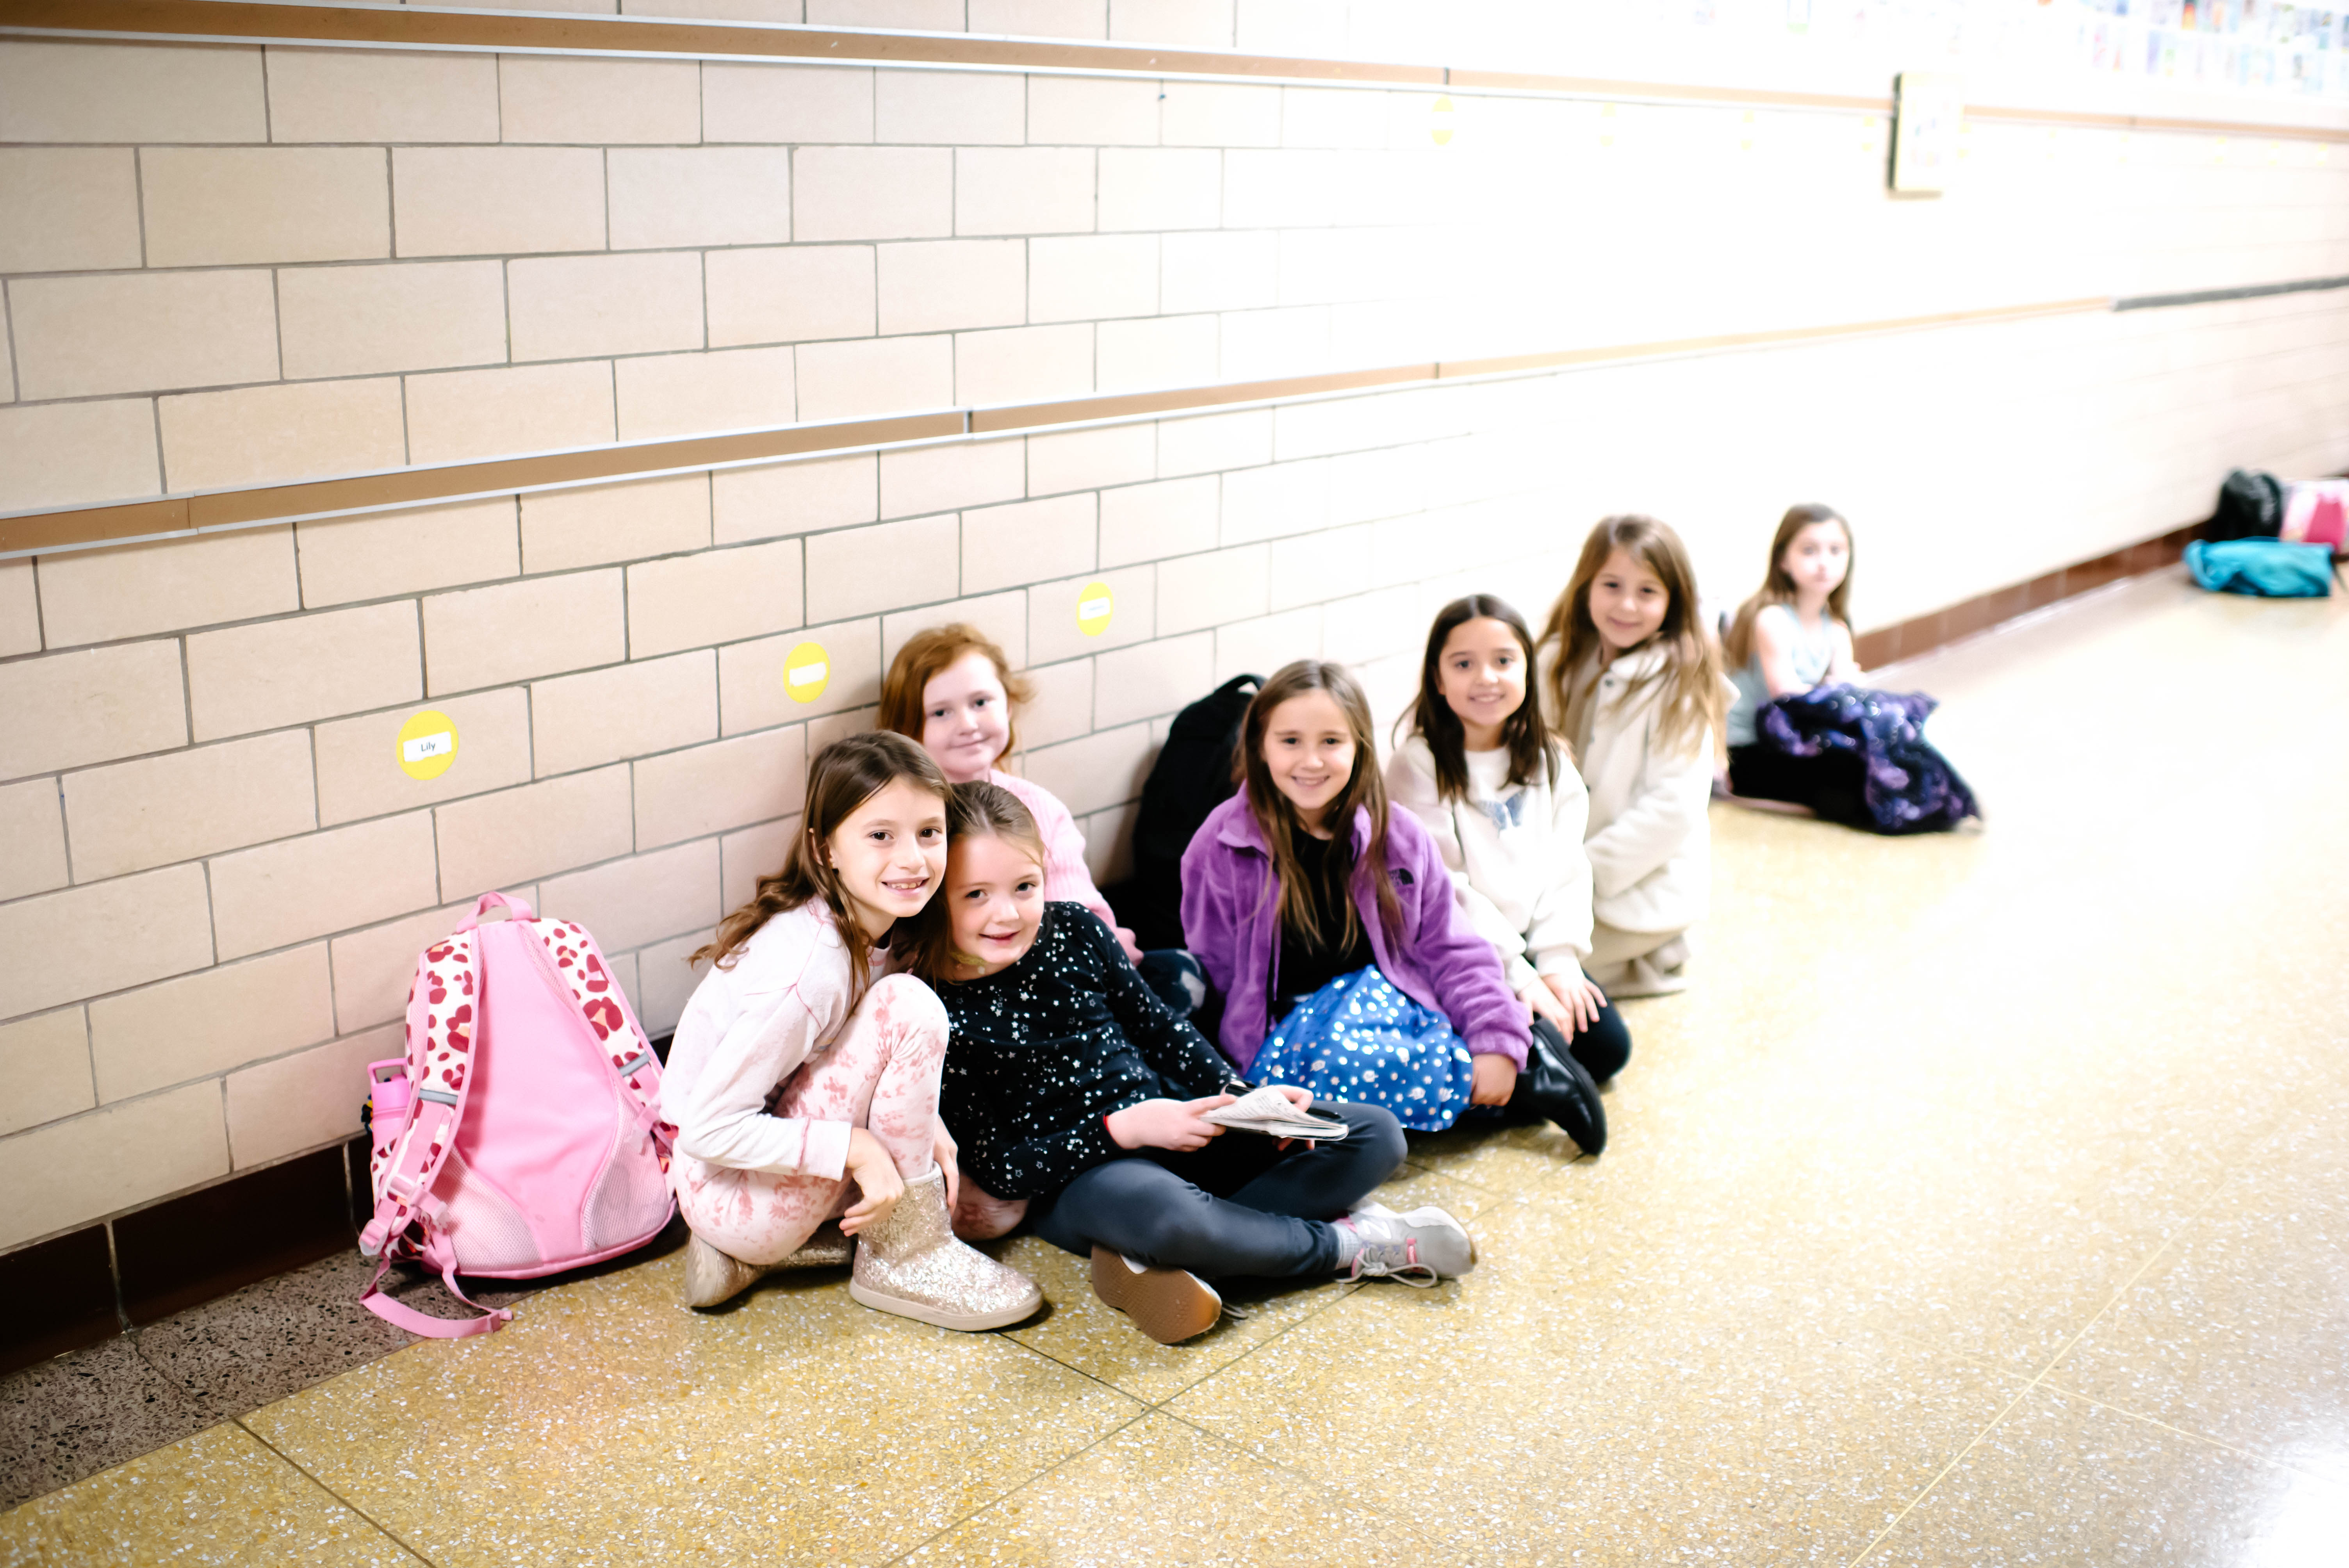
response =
{"points": [[428, 745]]}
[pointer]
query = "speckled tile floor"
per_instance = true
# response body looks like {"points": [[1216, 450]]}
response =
{"points": [[1985, 1202]]}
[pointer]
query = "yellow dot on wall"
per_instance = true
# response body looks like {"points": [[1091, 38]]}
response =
{"points": [[807, 670], [1095, 605], [1441, 115], [426, 744]]}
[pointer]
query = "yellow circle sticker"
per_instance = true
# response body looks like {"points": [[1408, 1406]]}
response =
{"points": [[428, 745], [1095, 603], [807, 672], [1441, 116]]}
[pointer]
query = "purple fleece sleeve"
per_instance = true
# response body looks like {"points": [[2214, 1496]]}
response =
{"points": [[1458, 962], [1212, 933]]}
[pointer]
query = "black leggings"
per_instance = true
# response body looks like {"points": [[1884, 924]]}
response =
{"points": [[1602, 1048], [1238, 1207], [1834, 783]]}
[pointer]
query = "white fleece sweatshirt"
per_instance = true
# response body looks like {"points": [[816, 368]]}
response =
{"points": [[1515, 852], [745, 1030], [1650, 842]]}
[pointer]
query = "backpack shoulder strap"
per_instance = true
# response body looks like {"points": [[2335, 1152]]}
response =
{"points": [[579, 971], [439, 1071], [439, 1063]]}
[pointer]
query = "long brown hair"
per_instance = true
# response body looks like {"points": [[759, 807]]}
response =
{"points": [[1524, 732], [924, 947], [1691, 676], [1276, 818], [1777, 588], [843, 775], [926, 657]]}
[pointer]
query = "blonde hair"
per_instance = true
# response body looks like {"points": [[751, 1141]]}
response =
{"points": [[925, 657], [926, 950], [1690, 678], [1276, 818], [1777, 588], [843, 775]]}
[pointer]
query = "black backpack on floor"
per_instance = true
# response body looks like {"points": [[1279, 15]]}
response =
{"points": [[1192, 777], [2250, 506]]}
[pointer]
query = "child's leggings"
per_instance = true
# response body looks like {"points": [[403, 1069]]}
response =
{"points": [[881, 1072], [1237, 1207]]}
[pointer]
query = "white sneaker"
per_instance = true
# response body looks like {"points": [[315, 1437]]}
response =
{"points": [[1415, 1249]]}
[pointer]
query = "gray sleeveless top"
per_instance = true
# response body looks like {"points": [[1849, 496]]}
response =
{"points": [[1813, 651]]}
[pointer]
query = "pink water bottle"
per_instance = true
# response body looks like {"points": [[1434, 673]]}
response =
{"points": [[390, 1112]]}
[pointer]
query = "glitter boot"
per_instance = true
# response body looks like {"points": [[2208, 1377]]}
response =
{"points": [[911, 1264]]}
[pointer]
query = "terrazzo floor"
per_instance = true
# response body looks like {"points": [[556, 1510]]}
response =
{"points": [[1984, 1202]]}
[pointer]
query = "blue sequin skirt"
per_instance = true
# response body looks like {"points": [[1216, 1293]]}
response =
{"points": [[1358, 1038]]}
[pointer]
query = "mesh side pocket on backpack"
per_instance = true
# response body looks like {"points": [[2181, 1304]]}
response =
{"points": [[631, 1197], [488, 1234]]}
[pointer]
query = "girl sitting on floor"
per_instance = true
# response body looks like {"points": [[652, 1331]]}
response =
{"points": [[794, 1073], [1634, 686], [1325, 920], [952, 689], [1795, 635], [1499, 794], [1802, 729], [1078, 1097]]}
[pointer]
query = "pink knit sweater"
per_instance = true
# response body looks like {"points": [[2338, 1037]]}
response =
{"points": [[1066, 879]]}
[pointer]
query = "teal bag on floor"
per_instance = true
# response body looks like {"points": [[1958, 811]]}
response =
{"points": [[2269, 568]]}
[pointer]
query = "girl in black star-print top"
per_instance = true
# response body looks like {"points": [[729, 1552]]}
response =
{"points": [[1043, 1051], [1077, 1100]]}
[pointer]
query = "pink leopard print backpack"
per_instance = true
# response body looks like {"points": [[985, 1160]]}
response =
{"points": [[521, 1134]]}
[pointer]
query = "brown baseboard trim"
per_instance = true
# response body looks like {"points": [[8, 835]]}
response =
{"points": [[56, 1296], [397, 26], [62, 1294], [218, 1239], [1954, 623], [27, 533]]}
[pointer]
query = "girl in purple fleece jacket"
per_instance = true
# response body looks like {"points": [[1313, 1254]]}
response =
{"points": [[1325, 921]]}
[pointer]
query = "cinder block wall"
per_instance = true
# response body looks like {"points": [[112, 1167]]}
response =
{"points": [[231, 266]]}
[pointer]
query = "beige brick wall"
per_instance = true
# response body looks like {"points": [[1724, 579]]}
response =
{"points": [[216, 876]]}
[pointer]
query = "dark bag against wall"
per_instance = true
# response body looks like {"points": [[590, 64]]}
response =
{"points": [[1192, 777], [2250, 506]]}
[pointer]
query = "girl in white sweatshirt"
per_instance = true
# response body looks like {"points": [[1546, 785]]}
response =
{"points": [[1635, 687], [1507, 810], [797, 1080]]}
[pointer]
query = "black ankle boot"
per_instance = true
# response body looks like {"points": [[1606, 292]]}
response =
{"points": [[1555, 1086]]}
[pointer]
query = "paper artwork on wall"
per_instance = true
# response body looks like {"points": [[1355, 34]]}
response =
{"points": [[1926, 108]]}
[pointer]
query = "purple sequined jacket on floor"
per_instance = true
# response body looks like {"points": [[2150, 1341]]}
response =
{"points": [[1231, 919]]}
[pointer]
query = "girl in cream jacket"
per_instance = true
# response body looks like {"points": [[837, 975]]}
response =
{"points": [[1636, 687]]}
